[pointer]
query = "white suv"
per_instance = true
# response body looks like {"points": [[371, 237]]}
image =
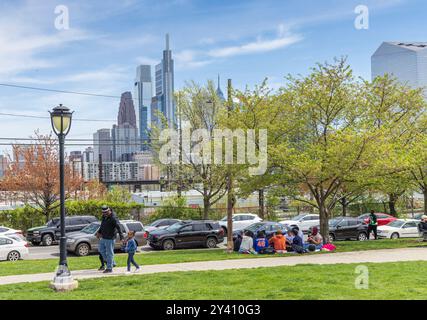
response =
{"points": [[303, 221], [240, 221]]}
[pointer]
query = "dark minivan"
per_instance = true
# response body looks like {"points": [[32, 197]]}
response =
{"points": [[187, 234], [50, 232]]}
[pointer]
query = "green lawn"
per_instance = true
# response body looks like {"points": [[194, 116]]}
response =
{"points": [[402, 280], [162, 257]]}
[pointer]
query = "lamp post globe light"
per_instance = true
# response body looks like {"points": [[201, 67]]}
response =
{"points": [[61, 123]]}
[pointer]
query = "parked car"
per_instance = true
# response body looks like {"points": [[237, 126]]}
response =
{"points": [[160, 224], [50, 232], [13, 248], [401, 228], [187, 234], [83, 242], [268, 227], [5, 231], [240, 221], [382, 218], [347, 228], [303, 221]]}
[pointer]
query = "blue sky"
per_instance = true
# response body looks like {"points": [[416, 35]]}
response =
{"points": [[244, 40]]}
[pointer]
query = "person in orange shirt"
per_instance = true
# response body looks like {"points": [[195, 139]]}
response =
{"points": [[278, 241]]}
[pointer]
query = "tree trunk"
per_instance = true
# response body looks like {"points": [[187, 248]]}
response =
{"points": [[261, 203], [425, 198], [206, 207], [324, 221], [392, 199], [344, 204]]}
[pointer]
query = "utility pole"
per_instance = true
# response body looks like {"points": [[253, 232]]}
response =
{"points": [[230, 195], [179, 189]]}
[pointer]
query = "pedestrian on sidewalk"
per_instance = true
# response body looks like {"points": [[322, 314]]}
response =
{"points": [[107, 235], [131, 248], [372, 224]]}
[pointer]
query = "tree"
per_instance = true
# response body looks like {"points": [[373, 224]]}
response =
{"points": [[33, 172]]}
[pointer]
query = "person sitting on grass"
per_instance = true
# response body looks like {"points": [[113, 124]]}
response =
{"points": [[131, 248], [315, 239], [278, 241], [238, 241], [297, 243], [260, 242], [247, 245]]}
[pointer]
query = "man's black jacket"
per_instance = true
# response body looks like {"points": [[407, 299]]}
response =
{"points": [[109, 227]]}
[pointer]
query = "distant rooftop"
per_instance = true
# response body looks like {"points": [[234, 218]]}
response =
{"points": [[410, 45]]}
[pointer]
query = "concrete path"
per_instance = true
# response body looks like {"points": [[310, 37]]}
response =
{"points": [[373, 256]]}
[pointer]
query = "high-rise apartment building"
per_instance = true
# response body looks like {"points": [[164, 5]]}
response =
{"points": [[88, 155], [102, 145], [164, 73], [143, 95], [407, 61]]}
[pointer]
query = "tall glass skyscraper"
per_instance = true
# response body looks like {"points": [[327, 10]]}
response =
{"points": [[407, 61], [165, 102], [143, 94]]}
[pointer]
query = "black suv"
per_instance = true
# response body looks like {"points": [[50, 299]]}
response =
{"points": [[347, 228], [187, 234], [50, 232]]}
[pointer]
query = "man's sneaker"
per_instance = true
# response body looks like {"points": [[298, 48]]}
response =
{"points": [[137, 270], [101, 268], [127, 272], [108, 271]]}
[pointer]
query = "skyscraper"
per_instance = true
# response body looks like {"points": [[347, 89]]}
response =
{"points": [[102, 144], [143, 94], [407, 61], [124, 135], [219, 91], [165, 86]]}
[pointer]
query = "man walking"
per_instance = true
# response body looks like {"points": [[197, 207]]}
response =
{"points": [[107, 234], [372, 225]]}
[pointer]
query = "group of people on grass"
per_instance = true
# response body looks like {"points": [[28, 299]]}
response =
{"points": [[292, 241], [107, 238]]}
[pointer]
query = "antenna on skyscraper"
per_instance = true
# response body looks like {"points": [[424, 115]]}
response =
{"points": [[167, 41]]}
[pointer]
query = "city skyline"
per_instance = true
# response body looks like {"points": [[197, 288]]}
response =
{"points": [[116, 41]]}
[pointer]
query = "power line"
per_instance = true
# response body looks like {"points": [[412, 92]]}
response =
{"points": [[47, 117], [62, 91]]}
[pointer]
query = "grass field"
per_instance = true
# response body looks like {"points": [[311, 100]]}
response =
{"points": [[162, 257], [402, 280]]}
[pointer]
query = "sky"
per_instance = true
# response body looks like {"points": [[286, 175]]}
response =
{"points": [[245, 40]]}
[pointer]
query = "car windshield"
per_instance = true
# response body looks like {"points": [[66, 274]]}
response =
{"points": [[334, 222], [91, 229], [396, 224], [175, 227], [298, 217], [255, 226], [155, 223], [52, 223]]}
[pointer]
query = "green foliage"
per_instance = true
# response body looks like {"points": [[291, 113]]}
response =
{"points": [[22, 218], [118, 194]]}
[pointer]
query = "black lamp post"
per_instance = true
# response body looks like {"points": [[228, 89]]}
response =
{"points": [[61, 123]]}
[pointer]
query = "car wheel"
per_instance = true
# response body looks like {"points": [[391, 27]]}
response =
{"points": [[362, 236], [168, 245], [47, 240], [395, 235], [331, 237], [13, 256], [211, 243], [82, 250]]}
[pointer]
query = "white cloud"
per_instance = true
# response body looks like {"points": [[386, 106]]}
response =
{"points": [[257, 46], [147, 60], [190, 59]]}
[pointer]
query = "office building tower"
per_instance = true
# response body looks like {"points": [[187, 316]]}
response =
{"points": [[3, 165], [125, 142], [407, 61], [219, 91], [164, 73], [88, 155], [102, 145], [126, 110], [143, 95]]}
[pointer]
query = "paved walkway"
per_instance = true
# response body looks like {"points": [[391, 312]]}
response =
{"points": [[373, 256]]}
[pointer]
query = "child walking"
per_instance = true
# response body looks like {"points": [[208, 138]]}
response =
{"points": [[131, 249]]}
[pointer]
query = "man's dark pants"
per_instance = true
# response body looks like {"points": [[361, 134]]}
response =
{"points": [[374, 229]]}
